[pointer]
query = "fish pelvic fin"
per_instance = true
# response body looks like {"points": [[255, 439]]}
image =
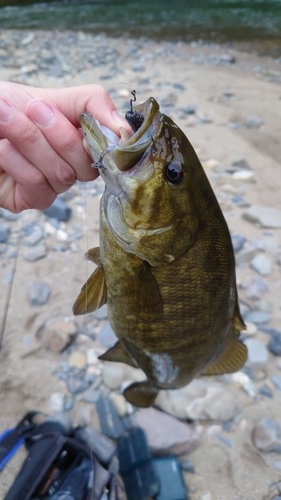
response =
{"points": [[120, 354], [142, 394], [231, 360], [93, 294], [94, 255], [143, 294]]}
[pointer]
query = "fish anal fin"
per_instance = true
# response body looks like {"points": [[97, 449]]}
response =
{"points": [[93, 293], [142, 394], [120, 354], [142, 293], [94, 255], [231, 360]]}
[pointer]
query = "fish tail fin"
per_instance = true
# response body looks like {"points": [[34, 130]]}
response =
{"points": [[141, 394], [231, 360]]}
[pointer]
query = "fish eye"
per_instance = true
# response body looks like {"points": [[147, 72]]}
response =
{"points": [[174, 173]]}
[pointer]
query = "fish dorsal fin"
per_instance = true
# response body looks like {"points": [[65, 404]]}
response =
{"points": [[141, 394], [120, 354], [93, 293], [231, 360], [94, 255], [143, 294]]}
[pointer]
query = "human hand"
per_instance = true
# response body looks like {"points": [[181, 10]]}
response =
{"points": [[41, 149]]}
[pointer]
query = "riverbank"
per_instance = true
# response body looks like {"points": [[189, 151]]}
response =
{"points": [[229, 105]]}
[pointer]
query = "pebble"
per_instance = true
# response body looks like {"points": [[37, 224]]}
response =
{"points": [[266, 391], [102, 447], [107, 336], [263, 216], [257, 317], [111, 424], [77, 360], [245, 254], [35, 237], [120, 403], [243, 175], [39, 293], [276, 380], [256, 289], [187, 465], [274, 344], [92, 358], [101, 313], [4, 232], [277, 465], [207, 496], [237, 242], [57, 333], [57, 401], [77, 385], [253, 122], [257, 354], [36, 252], [59, 210], [261, 264], [91, 395], [267, 435], [251, 329], [113, 376], [200, 400], [6, 214], [180, 439]]}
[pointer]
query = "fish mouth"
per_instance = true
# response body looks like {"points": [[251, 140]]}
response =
{"points": [[127, 151]]}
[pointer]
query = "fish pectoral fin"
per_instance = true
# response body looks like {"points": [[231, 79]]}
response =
{"points": [[231, 360], [143, 294], [120, 354], [93, 293], [141, 394], [94, 255]]}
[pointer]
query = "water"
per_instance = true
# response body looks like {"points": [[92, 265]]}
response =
{"points": [[212, 20]]}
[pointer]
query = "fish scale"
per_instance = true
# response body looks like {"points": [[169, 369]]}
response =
{"points": [[166, 267]]}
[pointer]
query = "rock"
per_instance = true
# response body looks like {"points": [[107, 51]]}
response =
{"points": [[263, 216], [237, 242], [113, 376], [187, 465], [261, 264], [101, 313], [276, 380], [165, 434], [34, 237], [6, 214], [57, 401], [58, 332], [253, 122], [102, 447], [267, 435], [243, 175], [111, 424], [120, 403], [257, 354], [59, 210], [92, 358], [251, 329], [77, 385], [245, 254], [266, 391], [256, 289], [243, 380], [210, 164], [36, 252], [237, 165], [257, 317], [274, 344], [4, 231], [91, 395], [200, 400], [207, 496], [277, 465], [77, 360], [39, 293], [107, 336]]}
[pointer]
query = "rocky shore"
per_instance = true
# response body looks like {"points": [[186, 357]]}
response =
{"points": [[229, 105]]}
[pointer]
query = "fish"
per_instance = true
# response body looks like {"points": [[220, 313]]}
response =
{"points": [[165, 265]]}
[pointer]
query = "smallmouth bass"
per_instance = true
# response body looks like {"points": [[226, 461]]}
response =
{"points": [[165, 266]]}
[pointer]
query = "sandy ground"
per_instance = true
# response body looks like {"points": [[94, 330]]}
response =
{"points": [[224, 93]]}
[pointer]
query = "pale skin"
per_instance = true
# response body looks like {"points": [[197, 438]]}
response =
{"points": [[41, 146]]}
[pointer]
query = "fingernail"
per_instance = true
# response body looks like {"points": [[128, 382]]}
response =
{"points": [[5, 111], [118, 119], [41, 113]]}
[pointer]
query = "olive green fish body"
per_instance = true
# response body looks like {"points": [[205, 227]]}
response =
{"points": [[166, 264]]}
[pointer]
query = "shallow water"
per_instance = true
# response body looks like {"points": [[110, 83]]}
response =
{"points": [[257, 22]]}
